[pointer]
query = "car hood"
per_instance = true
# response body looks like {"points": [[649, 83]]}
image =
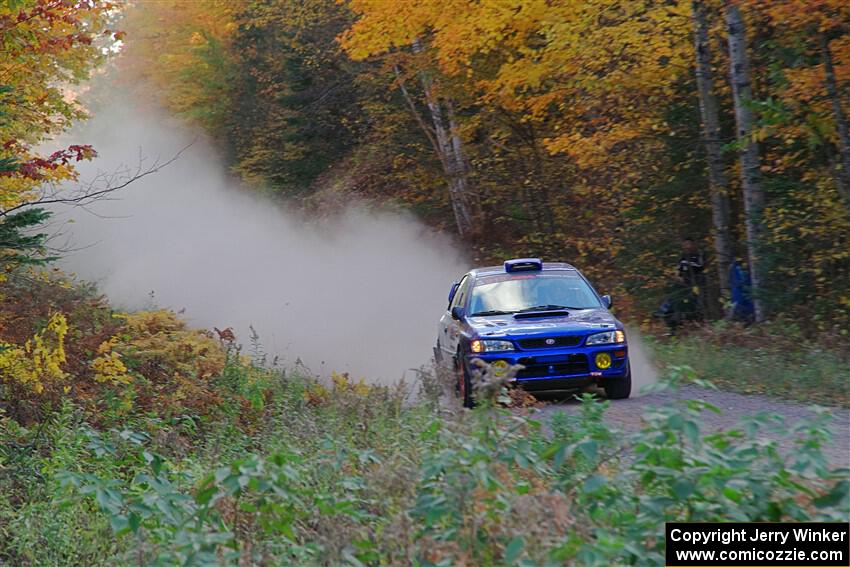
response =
{"points": [[579, 322]]}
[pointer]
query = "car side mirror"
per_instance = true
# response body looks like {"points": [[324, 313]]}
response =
{"points": [[453, 291], [457, 312], [607, 301]]}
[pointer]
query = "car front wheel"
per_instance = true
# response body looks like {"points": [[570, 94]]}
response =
{"points": [[619, 388], [463, 382]]}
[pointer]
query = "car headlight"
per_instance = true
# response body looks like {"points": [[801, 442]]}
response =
{"points": [[491, 345], [606, 338]]}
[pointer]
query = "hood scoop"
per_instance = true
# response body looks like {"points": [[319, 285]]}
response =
{"points": [[541, 314]]}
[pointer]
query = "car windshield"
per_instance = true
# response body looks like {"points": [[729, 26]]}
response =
{"points": [[510, 293]]}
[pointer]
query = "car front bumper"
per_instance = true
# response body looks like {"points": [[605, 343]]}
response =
{"points": [[560, 369]]}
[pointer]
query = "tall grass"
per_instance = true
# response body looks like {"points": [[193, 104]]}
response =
{"points": [[778, 362]]}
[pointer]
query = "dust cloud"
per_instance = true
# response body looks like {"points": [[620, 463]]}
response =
{"points": [[359, 293], [644, 371]]}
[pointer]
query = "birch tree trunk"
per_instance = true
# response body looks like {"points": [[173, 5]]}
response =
{"points": [[461, 170], [843, 171], [748, 149], [718, 184], [449, 147]]}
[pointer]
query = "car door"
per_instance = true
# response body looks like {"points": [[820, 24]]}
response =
{"points": [[449, 327]]}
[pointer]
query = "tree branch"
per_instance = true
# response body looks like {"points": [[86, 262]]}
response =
{"points": [[412, 106], [90, 193]]}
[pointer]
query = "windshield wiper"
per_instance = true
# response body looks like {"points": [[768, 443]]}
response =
{"points": [[491, 312], [546, 308]]}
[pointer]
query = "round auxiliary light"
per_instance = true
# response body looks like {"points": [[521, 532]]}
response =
{"points": [[603, 360]]}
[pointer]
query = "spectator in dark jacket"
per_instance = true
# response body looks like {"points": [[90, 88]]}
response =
{"points": [[691, 264], [684, 299]]}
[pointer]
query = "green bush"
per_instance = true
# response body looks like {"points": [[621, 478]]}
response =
{"points": [[364, 479]]}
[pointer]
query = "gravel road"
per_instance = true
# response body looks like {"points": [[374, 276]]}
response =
{"points": [[626, 414]]}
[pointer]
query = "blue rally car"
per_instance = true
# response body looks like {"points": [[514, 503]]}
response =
{"points": [[545, 317]]}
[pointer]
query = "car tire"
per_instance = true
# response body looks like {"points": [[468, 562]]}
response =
{"points": [[464, 385], [619, 388]]}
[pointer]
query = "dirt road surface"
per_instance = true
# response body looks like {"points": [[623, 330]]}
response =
{"points": [[625, 415]]}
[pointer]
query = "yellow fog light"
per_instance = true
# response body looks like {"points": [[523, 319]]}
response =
{"points": [[603, 360], [499, 367]]}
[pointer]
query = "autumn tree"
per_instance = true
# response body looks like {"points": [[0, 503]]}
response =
{"points": [[267, 79], [595, 132], [815, 30], [841, 128], [46, 45], [807, 225], [375, 34]]}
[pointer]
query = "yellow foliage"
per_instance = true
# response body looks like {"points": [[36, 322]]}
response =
{"points": [[37, 363], [162, 337], [316, 394], [193, 38], [15, 190], [159, 364], [342, 383], [108, 367], [151, 322]]}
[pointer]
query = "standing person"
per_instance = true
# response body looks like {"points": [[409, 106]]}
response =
{"points": [[742, 303], [685, 299], [691, 264], [692, 273]]}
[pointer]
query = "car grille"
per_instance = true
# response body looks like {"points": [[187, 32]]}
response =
{"points": [[567, 341], [573, 364]]}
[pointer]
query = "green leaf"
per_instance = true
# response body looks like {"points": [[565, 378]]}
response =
{"points": [[204, 495], [550, 450], [562, 453], [134, 521], [675, 422], [514, 550], [683, 488], [691, 429], [732, 494], [105, 500], [594, 483], [119, 524], [588, 449], [835, 496]]}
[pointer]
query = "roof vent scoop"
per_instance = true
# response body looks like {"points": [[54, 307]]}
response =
{"points": [[523, 265]]}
